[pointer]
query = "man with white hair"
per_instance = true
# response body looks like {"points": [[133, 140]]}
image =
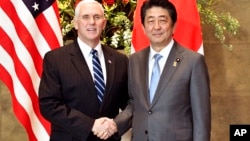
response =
{"points": [[84, 81]]}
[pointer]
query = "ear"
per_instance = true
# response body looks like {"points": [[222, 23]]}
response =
{"points": [[143, 28], [104, 23], [174, 27], [75, 23]]}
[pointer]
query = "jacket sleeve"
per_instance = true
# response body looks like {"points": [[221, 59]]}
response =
{"points": [[53, 107], [200, 100]]}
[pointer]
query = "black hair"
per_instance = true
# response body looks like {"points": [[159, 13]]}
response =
{"points": [[165, 4]]}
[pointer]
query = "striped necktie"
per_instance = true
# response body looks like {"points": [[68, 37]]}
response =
{"points": [[155, 76], [98, 76]]}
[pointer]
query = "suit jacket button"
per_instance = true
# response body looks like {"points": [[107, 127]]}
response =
{"points": [[146, 132], [150, 112]]}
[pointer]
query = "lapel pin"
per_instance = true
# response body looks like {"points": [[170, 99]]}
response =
{"points": [[109, 61], [176, 61], [174, 64]]}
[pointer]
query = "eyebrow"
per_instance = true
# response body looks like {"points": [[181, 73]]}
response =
{"points": [[87, 14], [161, 16]]}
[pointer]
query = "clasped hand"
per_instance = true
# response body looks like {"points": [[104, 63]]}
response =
{"points": [[104, 128]]}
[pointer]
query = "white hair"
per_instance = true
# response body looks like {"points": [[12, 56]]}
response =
{"points": [[77, 9]]}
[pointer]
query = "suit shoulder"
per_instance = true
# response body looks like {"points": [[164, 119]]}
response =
{"points": [[60, 51], [140, 54], [64, 48], [187, 51]]}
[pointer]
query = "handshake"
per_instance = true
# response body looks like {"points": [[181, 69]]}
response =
{"points": [[104, 128]]}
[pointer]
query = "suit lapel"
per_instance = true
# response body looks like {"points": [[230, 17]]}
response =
{"points": [[143, 58], [82, 67], [170, 67], [110, 70]]}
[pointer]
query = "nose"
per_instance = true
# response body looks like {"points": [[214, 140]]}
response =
{"points": [[157, 25], [91, 20]]}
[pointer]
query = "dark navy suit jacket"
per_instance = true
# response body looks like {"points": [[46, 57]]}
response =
{"points": [[67, 95]]}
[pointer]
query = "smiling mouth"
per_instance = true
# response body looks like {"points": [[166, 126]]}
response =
{"points": [[159, 34], [91, 29]]}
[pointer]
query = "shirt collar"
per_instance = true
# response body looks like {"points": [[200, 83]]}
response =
{"points": [[164, 52], [86, 49]]}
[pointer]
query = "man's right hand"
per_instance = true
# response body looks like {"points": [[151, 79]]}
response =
{"points": [[104, 128]]}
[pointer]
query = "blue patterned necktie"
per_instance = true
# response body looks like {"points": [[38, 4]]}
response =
{"points": [[155, 76], [98, 76]]}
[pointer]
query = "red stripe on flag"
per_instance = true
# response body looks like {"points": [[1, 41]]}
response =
{"points": [[17, 107], [188, 29], [23, 76], [24, 35], [47, 31], [26, 73], [55, 7]]}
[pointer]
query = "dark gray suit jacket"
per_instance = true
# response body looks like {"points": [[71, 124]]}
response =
{"points": [[180, 110], [67, 95]]}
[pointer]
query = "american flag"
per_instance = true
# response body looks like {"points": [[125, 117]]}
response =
{"points": [[188, 29], [28, 29]]}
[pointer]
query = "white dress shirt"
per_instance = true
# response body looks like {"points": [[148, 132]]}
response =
{"points": [[164, 53], [86, 51]]}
